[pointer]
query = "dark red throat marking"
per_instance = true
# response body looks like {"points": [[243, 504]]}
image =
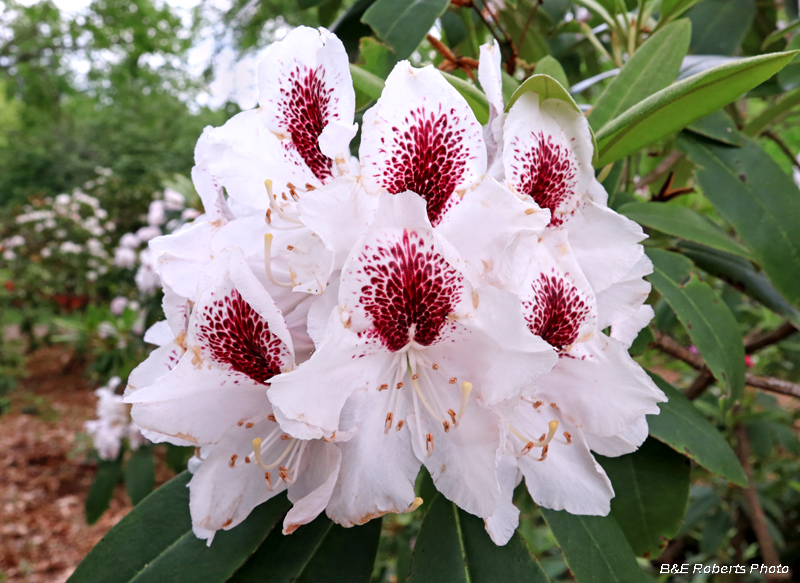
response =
{"points": [[557, 311], [411, 291], [547, 172], [428, 158], [306, 110], [238, 337]]}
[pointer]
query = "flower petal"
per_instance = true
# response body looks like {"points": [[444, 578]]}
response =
{"points": [[490, 76], [502, 524], [421, 136], [307, 97], [311, 491], [626, 442], [547, 154]]}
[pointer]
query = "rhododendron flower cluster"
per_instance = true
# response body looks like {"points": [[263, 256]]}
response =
{"points": [[113, 423], [333, 324]]}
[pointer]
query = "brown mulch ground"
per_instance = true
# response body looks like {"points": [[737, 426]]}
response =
{"points": [[44, 475]]}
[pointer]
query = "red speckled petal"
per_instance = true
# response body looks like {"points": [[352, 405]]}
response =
{"points": [[422, 136], [547, 155], [304, 86]]}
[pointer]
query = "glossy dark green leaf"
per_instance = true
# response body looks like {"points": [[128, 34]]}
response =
{"points": [[651, 489], [349, 28], [652, 68], [140, 474], [315, 553], [365, 82], [154, 542], [718, 126], [749, 190], [742, 275], [594, 547], [683, 103], [102, 491], [708, 321], [719, 26], [683, 222], [453, 546], [403, 24], [673, 8], [682, 427]]}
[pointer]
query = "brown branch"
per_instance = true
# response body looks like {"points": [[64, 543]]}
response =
{"points": [[769, 338], [757, 518], [782, 146], [510, 53], [704, 380], [657, 172], [669, 345], [528, 22]]}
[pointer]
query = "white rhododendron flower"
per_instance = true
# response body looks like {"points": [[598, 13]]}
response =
{"points": [[334, 324], [113, 423]]}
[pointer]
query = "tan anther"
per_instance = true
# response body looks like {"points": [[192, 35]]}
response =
{"points": [[247, 459], [399, 385], [249, 425], [530, 211], [446, 426], [435, 366], [527, 448], [542, 437], [268, 478], [290, 247], [285, 437], [429, 444], [415, 376], [537, 404], [544, 453], [271, 417], [310, 186], [388, 424], [475, 299], [554, 406], [227, 523], [234, 457], [452, 416], [240, 423], [399, 425], [283, 471], [269, 216], [568, 437], [453, 380], [383, 387], [284, 197]]}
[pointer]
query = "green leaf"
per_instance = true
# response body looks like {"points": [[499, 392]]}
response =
{"points": [[305, 4], [741, 275], [549, 66], [708, 321], [474, 96], [719, 26], [651, 489], [319, 551], [652, 68], [154, 542], [594, 547], [140, 474], [673, 8], [718, 126], [789, 76], [368, 83], [108, 474], [750, 191], [682, 427], [548, 88], [776, 35], [683, 103], [453, 546], [683, 222], [349, 28], [403, 24]]}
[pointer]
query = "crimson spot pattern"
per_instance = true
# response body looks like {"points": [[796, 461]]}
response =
{"points": [[556, 312]]}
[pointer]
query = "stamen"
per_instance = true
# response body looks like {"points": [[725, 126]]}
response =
{"points": [[268, 478], [267, 262], [429, 444], [414, 505], [537, 404], [568, 437], [247, 459], [257, 454], [249, 425], [269, 216], [475, 299], [400, 425], [418, 424], [232, 463], [446, 426], [466, 389], [388, 425], [285, 437], [435, 366], [274, 204], [453, 416], [544, 453], [425, 402], [271, 417], [529, 211], [283, 472], [452, 380], [543, 441], [383, 387]]}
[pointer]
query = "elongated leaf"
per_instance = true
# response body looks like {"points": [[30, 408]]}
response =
{"points": [[474, 96], [748, 189], [403, 24], [682, 427], [682, 222], [652, 68], [108, 474], [349, 28], [154, 542], [683, 103], [552, 68], [140, 474], [594, 547], [453, 546], [368, 83], [707, 319], [742, 275], [316, 552], [719, 26], [673, 8], [304, 4], [651, 489], [718, 126]]}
